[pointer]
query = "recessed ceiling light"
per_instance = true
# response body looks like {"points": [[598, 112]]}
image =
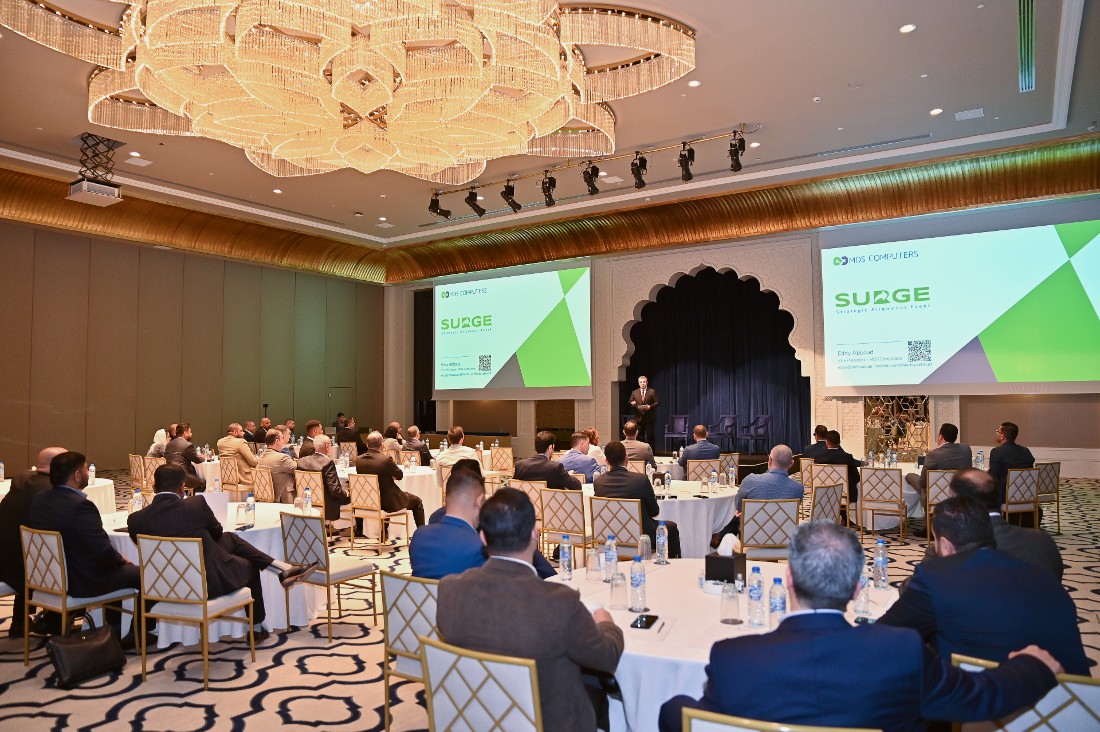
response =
{"points": [[754, 144], [936, 111], [695, 82], [358, 213], [981, 6], [481, 198], [603, 173], [924, 76], [817, 100], [840, 129], [381, 218], [135, 154], [907, 28], [277, 190]]}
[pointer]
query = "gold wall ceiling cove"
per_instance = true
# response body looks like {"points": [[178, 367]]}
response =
{"points": [[1036, 172], [429, 88], [41, 202]]}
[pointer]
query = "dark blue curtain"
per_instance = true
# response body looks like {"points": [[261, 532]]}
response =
{"points": [[714, 345]]}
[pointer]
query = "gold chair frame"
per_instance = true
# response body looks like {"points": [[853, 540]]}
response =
{"points": [[825, 502], [877, 486], [563, 513], [937, 490], [1022, 489], [725, 459], [502, 459], [699, 720], [700, 469], [1050, 478], [263, 485], [774, 519], [366, 504], [619, 516], [828, 475], [408, 615], [636, 466]]}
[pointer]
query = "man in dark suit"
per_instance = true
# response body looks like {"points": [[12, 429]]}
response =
{"points": [[540, 467], [14, 510], [979, 601], [644, 402], [701, 449], [950, 455], [94, 567], [350, 433], [314, 457], [179, 451], [231, 563], [249, 431], [835, 455], [503, 607], [1006, 456], [817, 669], [375, 462], [417, 445], [618, 482], [262, 430], [818, 446]]}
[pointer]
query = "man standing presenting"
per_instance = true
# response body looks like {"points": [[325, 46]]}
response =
{"points": [[233, 447], [540, 467], [619, 482], [503, 607], [645, 401], [948, 456], [179, 451]]}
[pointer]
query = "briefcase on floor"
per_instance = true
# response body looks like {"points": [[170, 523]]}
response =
{"points": [[85, 654]]}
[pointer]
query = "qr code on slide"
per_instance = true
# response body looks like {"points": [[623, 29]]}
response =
{"points": [[920, 351], [484, 363]]}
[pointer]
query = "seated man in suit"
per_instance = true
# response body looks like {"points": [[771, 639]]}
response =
{"points": [[950, 455], [503, 607], [314, 457], [817, 669], [701, 449], [1006, 456], [250, 431], [818, 446], [836, 455], [231, 562], [635, 448], [376, 462], [350, 433], [179, 451], [577, 459], [261, 431], [455, 449], [281, 465], [233, 447], [618, 482], [14, 510], [450, 542], [540, 467], [417, 445], [979, 601], [775, 484], [313, 429]]}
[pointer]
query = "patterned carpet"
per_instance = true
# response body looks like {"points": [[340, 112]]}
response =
{"points": [[300, 681]]}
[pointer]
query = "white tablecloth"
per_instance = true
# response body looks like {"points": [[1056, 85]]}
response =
{"points": [[101, 493], [420, 480], [208, 471], [671, 659], [306, 600]]}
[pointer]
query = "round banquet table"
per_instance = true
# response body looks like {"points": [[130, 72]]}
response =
{"points": [[101, 493], [306, 600], [671, 657], [420, 480], [209, 470], [697, 517]]}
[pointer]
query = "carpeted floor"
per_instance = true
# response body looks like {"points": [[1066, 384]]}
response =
{"points": [[300, 681]]}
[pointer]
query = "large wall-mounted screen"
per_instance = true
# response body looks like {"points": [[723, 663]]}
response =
{"points": [[983, 313], [515, 336]]}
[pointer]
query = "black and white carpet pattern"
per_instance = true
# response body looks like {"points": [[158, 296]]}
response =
{"points": [[301, 681]]}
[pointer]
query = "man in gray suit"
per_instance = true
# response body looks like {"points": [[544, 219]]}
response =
{"points": [[503, 607], [950, 455], [314, 457], [635, 448]]}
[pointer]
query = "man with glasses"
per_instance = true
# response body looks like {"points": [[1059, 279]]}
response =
{"points": [[1006, 456]]}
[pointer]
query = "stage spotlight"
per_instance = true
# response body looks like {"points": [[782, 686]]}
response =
{"points": [[434, 207], [687, 158], [548, 184], [509, 196], [591, 175], [638, 170], [736, 149], [471, 201]]}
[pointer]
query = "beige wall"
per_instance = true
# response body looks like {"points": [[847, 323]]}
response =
{"points": [[103, 342], [1047, 420]]}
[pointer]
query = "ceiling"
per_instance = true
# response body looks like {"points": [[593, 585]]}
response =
{"points": [[833, 87]]}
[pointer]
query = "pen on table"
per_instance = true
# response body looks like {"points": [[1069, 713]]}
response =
{"points": [[660, 626]]}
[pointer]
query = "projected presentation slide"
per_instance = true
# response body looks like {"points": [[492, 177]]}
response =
{"points": [[998, 307], [517, 332]]}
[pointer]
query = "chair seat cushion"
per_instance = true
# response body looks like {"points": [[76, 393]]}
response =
{"points": [[1046, 497], [216, 605], [1018, 507], [52, 601], [342, 568], [6, 590]]}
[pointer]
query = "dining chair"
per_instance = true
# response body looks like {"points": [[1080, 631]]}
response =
{"points": [[533, 489], [1074, 704], [408, 616], [137, 473], [804, 471], [1050, 475], [411, 457], [937, 490], [825, 502], [151, 465], [755, 432], [726, 460], [636, 466], [47, 580], [880, 491], [1022, 492], [470, 690], [231, 478], [263, 485], [830, 474], [619, 516], [766, 527], [699, 720], [394, 454], [723, 430], [173, 579], [351, 449], [366, 504], [305, 540], [502, 459], [700, 469], [563, 514], [676, 428]]}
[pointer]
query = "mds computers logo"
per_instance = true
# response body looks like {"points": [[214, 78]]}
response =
{"points": [[447, 294]]}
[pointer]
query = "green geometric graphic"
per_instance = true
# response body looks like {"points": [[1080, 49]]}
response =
{"points": [[1051, 334], [1075, 236], [569, 278], [551, 355]]}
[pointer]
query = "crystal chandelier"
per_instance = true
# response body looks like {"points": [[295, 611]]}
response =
{"points": [[429, 88]]}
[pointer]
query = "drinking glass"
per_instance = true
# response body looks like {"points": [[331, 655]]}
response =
{"points": [[645, 550], [593, 571], [730, 610], [242, 514], [300, 505], [618, 591]]}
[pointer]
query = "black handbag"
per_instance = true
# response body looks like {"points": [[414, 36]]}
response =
{"points": [[84, 654]]}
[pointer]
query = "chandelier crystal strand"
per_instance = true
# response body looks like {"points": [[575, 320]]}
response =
{"points": [[430, 88]]}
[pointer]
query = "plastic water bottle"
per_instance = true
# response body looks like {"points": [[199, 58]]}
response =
{"points": [[756, 598], [981, 459], [136, 501], [863, 598], [668, 485], [714, 481], [216, 484], [732, 480], [480, 445], [308, 500], [610, 558], [637, 586], [206, 450], [496, 442], [777, 602], [443, 445], [649, 473], [880, 569], [870, 458], [739, 584], [565, 558], [250, 511], [1, 469], [91, 474], [662, 544]]}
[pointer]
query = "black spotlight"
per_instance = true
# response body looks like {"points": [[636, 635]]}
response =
{"points": [[737, 146], [687, 159], [434, 207], [548, 184], [509, 196], [591, 175], [638, 169], [471, 201]]}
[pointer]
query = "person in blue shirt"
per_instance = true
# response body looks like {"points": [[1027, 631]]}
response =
{"points": [[577, 458], [450, 542]]}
